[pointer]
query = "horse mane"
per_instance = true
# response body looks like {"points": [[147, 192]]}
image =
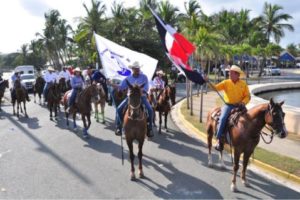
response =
{"points": [[256, 110]]}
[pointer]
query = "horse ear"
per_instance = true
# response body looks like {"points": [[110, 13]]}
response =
{"points": [[272, 102], [281, 103], [129, 85]]}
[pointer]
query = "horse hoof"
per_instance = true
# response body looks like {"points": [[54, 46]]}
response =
{"points": [[141, 175], [223, 167], [132, 177], [233, 188], [246, 183]]}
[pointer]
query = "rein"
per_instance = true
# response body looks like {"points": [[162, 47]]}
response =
{"points": [[136, 108], [262, 134]]}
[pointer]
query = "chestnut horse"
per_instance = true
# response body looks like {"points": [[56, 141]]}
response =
{"points": [[38, 88], [135, 125], [53, 97], [245, 133], [101, 102], [3, 85], [19, 98], [82, 105]]}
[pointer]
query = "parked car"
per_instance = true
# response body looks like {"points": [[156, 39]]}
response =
{"points": [[272, 71], [28, 80], [26, 69]]}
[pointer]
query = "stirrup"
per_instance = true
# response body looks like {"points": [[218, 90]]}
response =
{"points": [[118, 132]]}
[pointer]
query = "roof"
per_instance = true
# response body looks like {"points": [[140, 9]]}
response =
{"points": [[286, 56]]}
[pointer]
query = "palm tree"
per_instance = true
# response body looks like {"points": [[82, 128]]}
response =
{"points": [[292, 48], [272, 22]]}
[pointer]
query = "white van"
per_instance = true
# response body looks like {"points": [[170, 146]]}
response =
{"points": [[26, 69]]}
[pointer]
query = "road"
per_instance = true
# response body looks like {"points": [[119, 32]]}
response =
{"points": [[43, 159]]}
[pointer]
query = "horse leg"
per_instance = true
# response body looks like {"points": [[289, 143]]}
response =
{"points": [[50, 109], [24, 104], [166, 121], [131, 156], [14, 112], [209, 145], [102, 113], [96, 112], [245, 164], [237, 155], [34, 96], [74, 121], [140, 156], [160, 122], [85, 134], [154, 117], [18, 105]]}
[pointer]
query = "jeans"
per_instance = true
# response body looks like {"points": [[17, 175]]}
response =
{"points": [[119, 113], [225, 112], [45, 90]]}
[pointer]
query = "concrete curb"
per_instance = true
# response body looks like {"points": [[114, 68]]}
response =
{"points": [[188, 128]]}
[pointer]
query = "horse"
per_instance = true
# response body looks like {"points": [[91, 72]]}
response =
{"points": [[118, 96], [82, 105], [3, 85], [38, 88], [245, 133], [135, 126], [20, 97], [53, 98], [64, 85], [100, 102], [163, 106]]}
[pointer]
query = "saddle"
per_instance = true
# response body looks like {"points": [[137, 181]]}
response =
{"points": [[232, 119]]}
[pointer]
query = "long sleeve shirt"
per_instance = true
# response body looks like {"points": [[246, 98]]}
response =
{"points": [[139, 80], [159, 83], [77, 82], [50, 77], [98, 77], [65, 74], [234, 92]]}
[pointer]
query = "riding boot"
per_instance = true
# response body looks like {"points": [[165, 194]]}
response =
{"points": [[219, 146], [118, 131], [149, 131]]}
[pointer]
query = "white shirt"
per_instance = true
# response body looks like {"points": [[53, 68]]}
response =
{"points": [[65, 74], [50, 77]]}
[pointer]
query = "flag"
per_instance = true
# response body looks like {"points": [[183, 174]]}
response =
{"points": [[178, 48], [115, 59]]}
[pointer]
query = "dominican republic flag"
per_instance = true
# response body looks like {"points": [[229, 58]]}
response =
{"points": [[178, 49], [115, 59]]}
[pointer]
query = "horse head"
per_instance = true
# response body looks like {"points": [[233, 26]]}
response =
{"points": [[5, 84], [134, 98], [17, 83], [274, 117], [93, 91]]}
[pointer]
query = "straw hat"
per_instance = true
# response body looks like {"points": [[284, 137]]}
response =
{"points": [[160, 72], [237, 69], [50, 69], [135, 65], [77, 69]]}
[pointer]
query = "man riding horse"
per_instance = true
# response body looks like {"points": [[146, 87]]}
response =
{"points": [[77, 85], [14, 77], [135, 78], [236, 94], [66, 75], [49, 77], [158, 85], [98, 77]]}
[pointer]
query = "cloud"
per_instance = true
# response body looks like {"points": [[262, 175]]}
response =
{"points": [[35, 7]]}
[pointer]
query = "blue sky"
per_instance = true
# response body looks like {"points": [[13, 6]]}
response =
{"points": [[21, 19]]}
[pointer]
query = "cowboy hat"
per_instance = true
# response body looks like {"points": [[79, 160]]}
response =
{"points": [[135, 65], [77, 69], [160, 72], [237, 69], [50, 69]]}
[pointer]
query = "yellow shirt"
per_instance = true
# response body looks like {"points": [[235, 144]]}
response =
{"points": [[234, 92]]}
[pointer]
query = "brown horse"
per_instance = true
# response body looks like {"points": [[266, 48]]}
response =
{"points": [[3, 85], [245, 133], [118, 96], [135, 125], [82, 105], [163, 106], [53, 98], [20, 97], [101, 102], [38, 88], [64, 85]]}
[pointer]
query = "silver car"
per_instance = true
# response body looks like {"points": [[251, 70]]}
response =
{"points": [[28, 80]]}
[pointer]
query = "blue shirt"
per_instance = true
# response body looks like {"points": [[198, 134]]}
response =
{"points": [[76, 82], [97, 76], [139, 80]]}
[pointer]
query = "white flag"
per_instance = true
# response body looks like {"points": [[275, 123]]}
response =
{"points": [[115, 59]]}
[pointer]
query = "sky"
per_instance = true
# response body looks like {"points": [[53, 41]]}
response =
{"points": [[20, 20]]}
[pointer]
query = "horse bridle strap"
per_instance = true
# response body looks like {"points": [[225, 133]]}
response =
{"points": [[136, 108], [266, 134]]}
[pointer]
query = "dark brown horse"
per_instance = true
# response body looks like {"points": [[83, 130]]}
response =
{"points": [[135, 125], [53, 97], [245, 133], [101, 102], [163, 106], [64, 85], [3, 85], [118, 96], [82, 105], [19, 98], [38, 88]]}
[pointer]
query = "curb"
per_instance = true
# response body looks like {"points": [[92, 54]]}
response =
{"points": [[262, 166]]}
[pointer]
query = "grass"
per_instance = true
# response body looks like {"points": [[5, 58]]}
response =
{"points": [[278, 161]]}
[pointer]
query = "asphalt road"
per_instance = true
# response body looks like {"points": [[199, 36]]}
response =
{"points": [[43, 159]]}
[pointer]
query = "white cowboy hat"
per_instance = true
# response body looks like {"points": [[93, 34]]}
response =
{"points": [[237, 69], [135, 65], [77, 69], [50, 69], [160, 72]]}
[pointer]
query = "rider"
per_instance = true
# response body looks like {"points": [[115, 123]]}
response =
{"points": [[98, 77], [135, 78], [14, 77], [49, 77], [87, 75], [65, 74], [236, 93], [77, 85]]}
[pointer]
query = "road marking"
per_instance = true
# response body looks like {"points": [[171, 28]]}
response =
{"points": [[5, 152]]}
